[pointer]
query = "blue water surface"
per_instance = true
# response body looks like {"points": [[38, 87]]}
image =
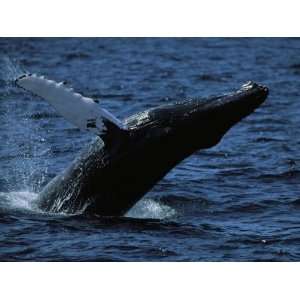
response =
{"points": [[238, 201]]}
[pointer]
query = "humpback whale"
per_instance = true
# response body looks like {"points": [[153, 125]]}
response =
{"points": [[126, 159]]}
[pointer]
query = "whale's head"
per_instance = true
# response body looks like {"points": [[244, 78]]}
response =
{"points": [[198, 123]]}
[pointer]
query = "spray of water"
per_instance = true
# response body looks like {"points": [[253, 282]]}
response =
{"points": [[24, 201], [20, 139], [149, 208]]}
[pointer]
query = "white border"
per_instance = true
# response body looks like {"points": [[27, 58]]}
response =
{"points": [[149, 281], [149, 18]]}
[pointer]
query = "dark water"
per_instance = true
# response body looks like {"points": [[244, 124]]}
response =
{"points": [[239, 201]]}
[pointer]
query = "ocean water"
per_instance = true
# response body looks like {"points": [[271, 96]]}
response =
{"points": [[238, 201]]}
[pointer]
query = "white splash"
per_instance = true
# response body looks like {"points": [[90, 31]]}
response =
{"points": [[148, 208], [19, 200]]}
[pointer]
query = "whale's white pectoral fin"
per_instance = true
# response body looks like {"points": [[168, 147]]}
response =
{"points": [[83, 112]]}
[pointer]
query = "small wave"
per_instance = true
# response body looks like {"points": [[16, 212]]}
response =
{"points": [[296, 203], [267, 140], [122, 97], [295, 66], [42, 115], [150, 209], [76, 55], [210, 77], [248, 208], [290, 174], [236, 171]]}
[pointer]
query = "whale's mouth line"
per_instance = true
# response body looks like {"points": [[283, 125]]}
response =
{"points": [[252, 85], [250, 94], [248, 88]]}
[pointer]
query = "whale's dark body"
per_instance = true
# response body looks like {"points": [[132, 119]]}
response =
{"points": [[110, 179]]}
